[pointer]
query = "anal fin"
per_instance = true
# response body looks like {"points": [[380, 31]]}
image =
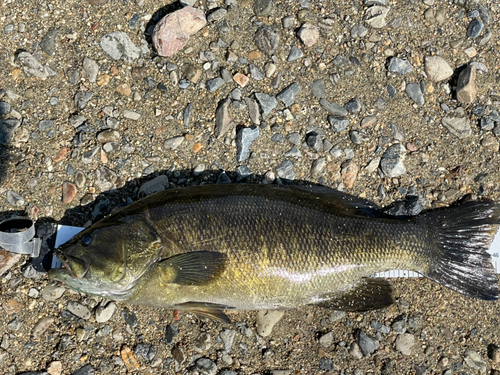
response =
{"points": [[206, 310], [369, 294]]}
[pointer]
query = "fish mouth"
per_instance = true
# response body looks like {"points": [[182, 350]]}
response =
{"points": [[68, 269]]}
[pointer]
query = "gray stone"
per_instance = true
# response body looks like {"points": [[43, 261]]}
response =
{"points": [[89, 155], [129, 317], [155, 185], [287, 96], [474, 361], [278, 138], [267, 103], [4, 108], [79, 310], [217, 15], [437, 69], [48, 42], [400, 66], [104, 313], [486, 124], [146, 351], [287, 22], [52, 293], [353, 106], [206, 366], [82, 98], [475, 28], [223, 120], [244, 139], [15, 199], [404, 343], [318, 166], [242, 172], [294, 138], [266, 320], [41, 326], [314, 140], [293, 153], [340, 61], [285, 170], [399, 324], [170, 332], [7, 128], [108, 135], [227, 336], [338, 124], [357, 137], [414, 91], [253, 110], [255, 72], [85, 370], [32, 67], [214, 84], [186, 115], [392, 161], [367, 344], [131, 115], [308, 34], [173, 143], [459, 126], [375, 16], [295, 54], [45, 125], [391, 90], [358, 31], [466, 85], [262, 7], [318, 88], [377, 326], [91, 69], [483, 13], [355, 351], [333, 108], [267, 39], [119, 46], [326, 340]]}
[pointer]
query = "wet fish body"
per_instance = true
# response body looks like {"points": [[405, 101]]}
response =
{"points": [[249, 247]]}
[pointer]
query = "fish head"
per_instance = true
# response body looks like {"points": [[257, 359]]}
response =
{"points": [[109, 258]]}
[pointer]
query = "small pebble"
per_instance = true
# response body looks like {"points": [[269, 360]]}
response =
{"points": [[266, 320]]}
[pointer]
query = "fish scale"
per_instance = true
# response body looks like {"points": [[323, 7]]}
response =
{"points": [[300, 255]]}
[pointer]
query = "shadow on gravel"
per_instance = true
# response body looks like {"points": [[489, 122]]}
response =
{"points": [[453, 81], [157, 16]]}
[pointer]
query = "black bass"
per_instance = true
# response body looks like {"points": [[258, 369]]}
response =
{"points": [[216, 247]]}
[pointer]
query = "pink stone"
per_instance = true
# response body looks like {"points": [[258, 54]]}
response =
{"points": [[173, 31], [69, 191]]}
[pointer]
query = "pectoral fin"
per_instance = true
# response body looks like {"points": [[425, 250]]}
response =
{"points": [[206, 310], [369, 294], [193, 269]]}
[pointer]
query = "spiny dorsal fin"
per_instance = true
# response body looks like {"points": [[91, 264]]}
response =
{"points": [[369, 294], [194, 268], [206, 310]]}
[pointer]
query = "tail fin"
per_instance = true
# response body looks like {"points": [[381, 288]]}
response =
{"points": [[464, 234]]}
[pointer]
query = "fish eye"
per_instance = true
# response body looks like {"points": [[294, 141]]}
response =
{"points": [[86, 240]]}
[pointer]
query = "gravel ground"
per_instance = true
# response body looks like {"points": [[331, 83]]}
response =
{"points": [[351, 95]]}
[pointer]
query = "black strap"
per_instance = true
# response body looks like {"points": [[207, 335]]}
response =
{"points": [[17, 235]]}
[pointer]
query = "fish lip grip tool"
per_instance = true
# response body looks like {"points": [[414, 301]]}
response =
{"points": [[17, 235]]}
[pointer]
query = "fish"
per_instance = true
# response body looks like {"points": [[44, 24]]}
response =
{"points": [[211, 248]]}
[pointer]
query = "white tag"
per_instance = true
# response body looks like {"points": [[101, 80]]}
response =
{"points": [[64, 234]]}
